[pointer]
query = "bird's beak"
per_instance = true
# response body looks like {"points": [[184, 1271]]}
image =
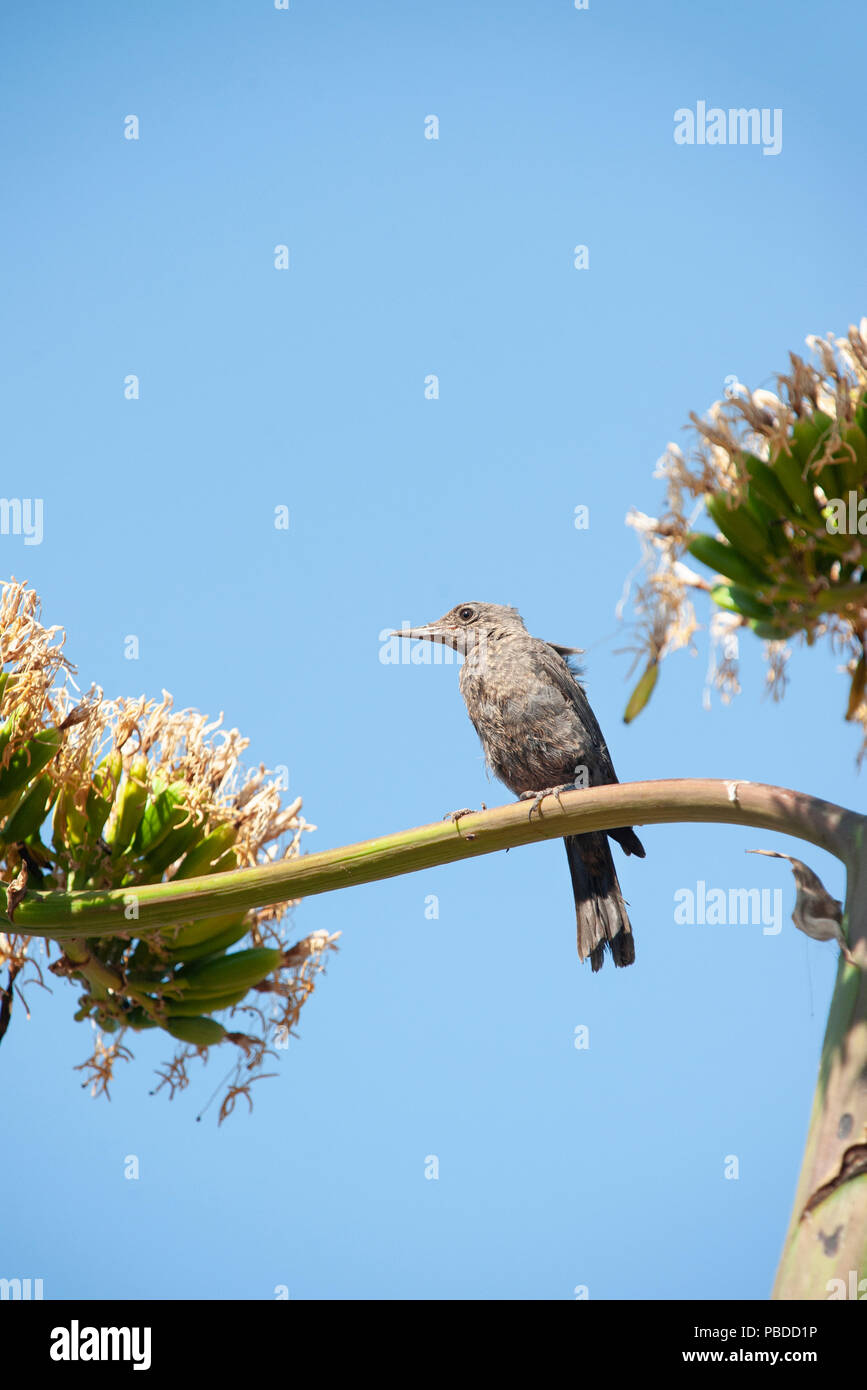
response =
{"points": [[430, 632]]}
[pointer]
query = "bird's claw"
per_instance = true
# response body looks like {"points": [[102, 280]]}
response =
{"points": [[539, 797], [456, 815]]}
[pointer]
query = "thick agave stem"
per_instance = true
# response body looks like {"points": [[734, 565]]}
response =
{"points": [[825, 1251]]}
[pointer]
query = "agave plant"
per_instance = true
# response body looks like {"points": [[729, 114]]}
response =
{"points": [[782, 477], [100, 794]]}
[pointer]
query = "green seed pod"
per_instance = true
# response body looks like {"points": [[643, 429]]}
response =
{"points": [[69, 826], [130, 806], [30, 811], [720, 556], [175, 844], [770, 631], [765, 484], [243, 968], [28, 761], [102, 792], [210, 855], [211, 945], [201, 1032], [206, 929], [771, 523], [789, 468], [209, 1003], [165, 811], [139, 1018], [740, 528], [8, 728], [827, 475], [735, 599]]}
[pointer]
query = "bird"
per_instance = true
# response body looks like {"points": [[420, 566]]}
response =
{"points": [[540, 736], [816, 913]]}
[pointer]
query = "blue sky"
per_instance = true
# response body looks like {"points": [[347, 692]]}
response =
{"points": [[558, 1167]]}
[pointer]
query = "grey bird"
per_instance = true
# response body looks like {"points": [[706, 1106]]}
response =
{"points": [[540, 735], [816, 913]]}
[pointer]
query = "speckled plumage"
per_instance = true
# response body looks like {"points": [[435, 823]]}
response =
{"points": [[537, 729]]}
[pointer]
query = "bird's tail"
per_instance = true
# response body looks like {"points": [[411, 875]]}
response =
{"points": [[599, 906]]}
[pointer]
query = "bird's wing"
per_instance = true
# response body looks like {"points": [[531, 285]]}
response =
{"points": [[556, 670]]}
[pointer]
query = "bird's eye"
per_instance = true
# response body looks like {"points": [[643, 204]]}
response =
{"points": [[465, 614]]}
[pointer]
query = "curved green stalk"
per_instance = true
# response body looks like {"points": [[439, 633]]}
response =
{"points": [[151, 906]]}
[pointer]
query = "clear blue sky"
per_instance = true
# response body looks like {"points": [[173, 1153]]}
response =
{"points": [[408, 256]]}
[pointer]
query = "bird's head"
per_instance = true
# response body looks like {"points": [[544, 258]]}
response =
{"points": [[468, 626]]}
